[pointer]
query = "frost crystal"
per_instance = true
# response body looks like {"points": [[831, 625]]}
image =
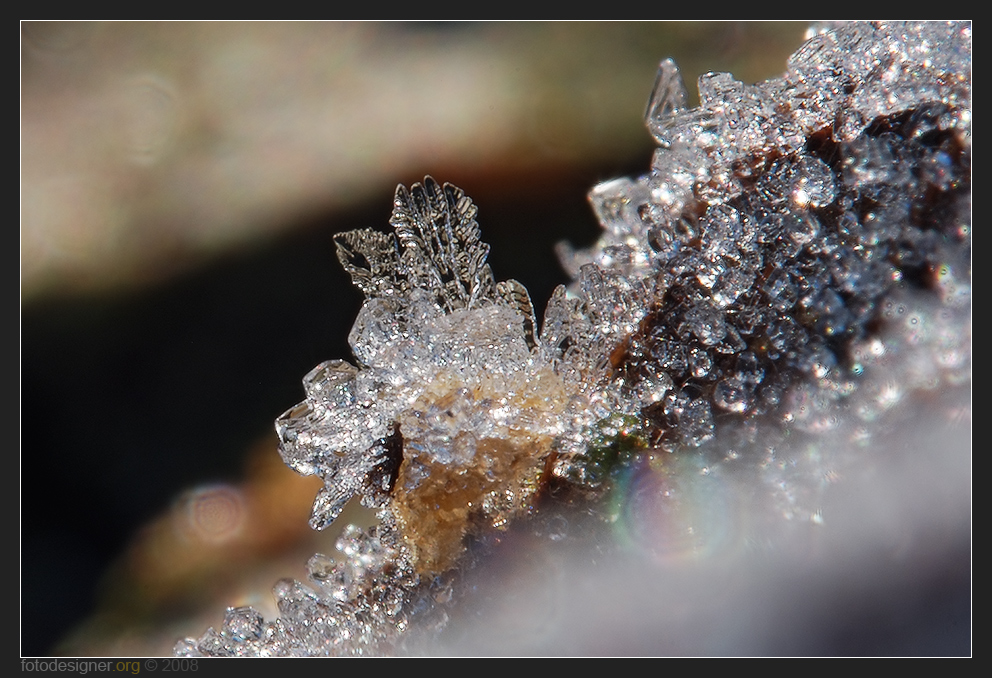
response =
{"points": [[795, 263]]}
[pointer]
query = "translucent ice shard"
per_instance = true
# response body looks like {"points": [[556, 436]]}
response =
{"points": [[668, 99], [442, 252]]}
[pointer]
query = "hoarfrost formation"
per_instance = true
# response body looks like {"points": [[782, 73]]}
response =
{"points": [[795, 266]]}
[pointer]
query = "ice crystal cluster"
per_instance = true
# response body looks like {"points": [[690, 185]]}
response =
{"points": [[796, 262]]}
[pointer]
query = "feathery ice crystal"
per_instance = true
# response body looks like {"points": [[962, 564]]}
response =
{"points": [[796, 262]]}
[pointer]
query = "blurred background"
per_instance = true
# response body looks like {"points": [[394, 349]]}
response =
{"points": [[180, 184]]}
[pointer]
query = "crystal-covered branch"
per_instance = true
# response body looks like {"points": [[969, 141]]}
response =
{"points": [[796, 262]]}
